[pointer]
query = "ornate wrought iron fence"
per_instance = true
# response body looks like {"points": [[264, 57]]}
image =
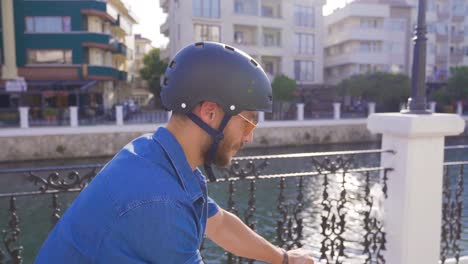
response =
{"points": [[454, 214], [328, 202]]}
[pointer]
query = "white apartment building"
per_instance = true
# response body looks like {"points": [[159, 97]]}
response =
{"points": [[447, 36], [368, 36], [285, 36], [140, 89]]}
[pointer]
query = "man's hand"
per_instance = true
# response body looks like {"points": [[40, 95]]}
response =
{"points": [[300, 256]]}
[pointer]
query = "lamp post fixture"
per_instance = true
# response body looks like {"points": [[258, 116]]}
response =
{"points": [[417, 101]]}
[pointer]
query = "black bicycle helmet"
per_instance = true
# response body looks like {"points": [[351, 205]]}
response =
{"points": [[210, 71]]}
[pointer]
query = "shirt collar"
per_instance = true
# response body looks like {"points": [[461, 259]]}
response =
{"points": [[174, 151]]}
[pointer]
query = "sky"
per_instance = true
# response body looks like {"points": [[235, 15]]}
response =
{"points": [[151, 16]]}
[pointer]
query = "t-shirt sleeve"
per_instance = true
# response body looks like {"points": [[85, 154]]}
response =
{"points": [[213, 207]]}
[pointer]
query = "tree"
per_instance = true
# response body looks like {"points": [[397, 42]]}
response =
{"points": [[153, 68], [387, 90], [283, 88], [457, 87]]}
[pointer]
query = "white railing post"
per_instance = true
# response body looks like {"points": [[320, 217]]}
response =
{"points": [[402, 106], [73, 116], [261, 117], [413, 209], [432, 106], [336, 111], [24, 116], [459, 108], [119, 115], [300, 111], [371, 108]]}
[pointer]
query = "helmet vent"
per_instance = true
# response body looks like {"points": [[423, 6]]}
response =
{"points": [[166, 80], [254, 62], [172, 65], [199, 45], [229, 48]]}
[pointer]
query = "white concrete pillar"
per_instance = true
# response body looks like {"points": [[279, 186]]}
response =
{"points": [[119, 115], [74, 116], [300, 111], [371, 108], [9, 70], [336, 111], [413, 209], [24, 116], [459, 108], [432, 106], [261, 117], [169, 115]]}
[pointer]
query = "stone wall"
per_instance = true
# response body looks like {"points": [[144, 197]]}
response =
{"points": [[82, 142]]}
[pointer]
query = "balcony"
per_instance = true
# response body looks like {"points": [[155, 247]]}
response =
{"points": [[95, 72], [68, 39], [73, 40], [164, 4], [441, 37], [123, 76], [119, 48], [441, 59], [457, 37], [165, 28], [443, 13], [456, 57]]}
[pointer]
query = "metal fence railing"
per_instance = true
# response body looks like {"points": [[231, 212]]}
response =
{"points": [[329, 202], [9, 117], [454, 238]]}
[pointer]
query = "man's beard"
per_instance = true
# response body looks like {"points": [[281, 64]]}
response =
{"points": [[223, 154]]}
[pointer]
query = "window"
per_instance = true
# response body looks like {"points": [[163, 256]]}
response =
{"points": [[49, 56], [271, 39], [269, 67], [369, 23], [267, 11], [304, 70], [370, 46], [304, 43], [304, 16], [246, 7], [207, 33], [206, 8], [397, 24], [46, 24], [396, 47]]}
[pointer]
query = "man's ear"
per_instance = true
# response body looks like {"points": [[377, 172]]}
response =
{"points": [[208, 111]]}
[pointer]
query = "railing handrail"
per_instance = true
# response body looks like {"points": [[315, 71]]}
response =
{"points": [[52, 168], [313, 154], [457, 147], [455, 163], [299, 174]]}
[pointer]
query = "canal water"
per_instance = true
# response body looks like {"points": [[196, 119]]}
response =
{"points": [[35, 213]]}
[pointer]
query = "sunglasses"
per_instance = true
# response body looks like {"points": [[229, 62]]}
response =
{"points": [[250, 125]]}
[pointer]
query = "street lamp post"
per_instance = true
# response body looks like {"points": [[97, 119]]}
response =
{"points": [[417, 101]]}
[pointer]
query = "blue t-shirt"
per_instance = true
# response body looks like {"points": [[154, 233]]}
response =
{"points": [[145, 206]]}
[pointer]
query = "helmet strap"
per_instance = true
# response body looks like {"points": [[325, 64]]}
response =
{"points": [[216, 135]]}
